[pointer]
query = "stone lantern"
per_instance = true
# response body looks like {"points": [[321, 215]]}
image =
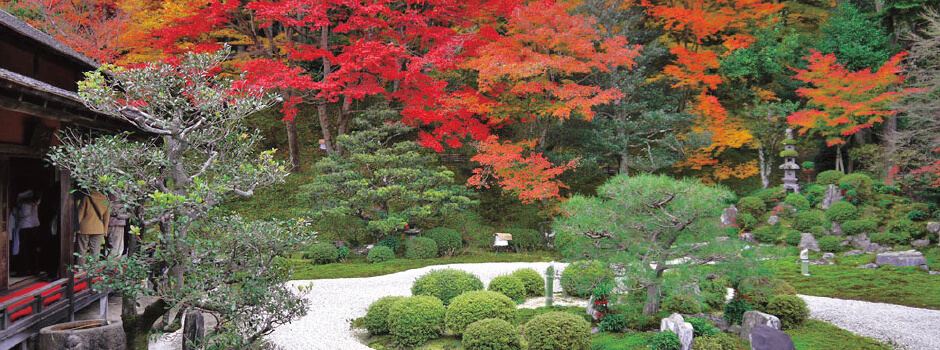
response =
{"points": [[789, 165]]}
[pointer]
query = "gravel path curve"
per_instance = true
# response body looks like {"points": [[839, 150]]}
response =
{"points": [[334, 302], [901, 327]]}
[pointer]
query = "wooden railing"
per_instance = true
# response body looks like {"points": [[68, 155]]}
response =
{"points": [[27, 309]]}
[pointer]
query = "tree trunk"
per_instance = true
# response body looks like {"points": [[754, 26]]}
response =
{"points": [[652, 300], [764, 165], [890, 143], [293, 145], [321, 107], [137, 326], [342, 122], [624, 164], [839, 166]]}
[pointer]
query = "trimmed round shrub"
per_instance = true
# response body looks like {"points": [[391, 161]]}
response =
{"points": [[807, 219], [746, 222], [509, 286], [446, 284], [842, 211], [421, 248], [798, 201], [380, 253], [767, 234], [376, 320], [612, 323], [448, 240], [904, 228], [734, 310], [759, 290], [829, 177], [771, 196], [524, 239], [532, 280], [681, 303], [477, 305], [665, 340], [581, 277], [831, 244], [342, 253], [491, 334], [854, 227], [790, 309], [793, 237], [752, 205], [321, 253], [887, 239], [857, 185], [414, 320], [814, 194], [702, 327], [558, 330], [392, 242]]}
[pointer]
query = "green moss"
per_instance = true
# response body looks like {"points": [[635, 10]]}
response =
{"points": [[819, 335]]}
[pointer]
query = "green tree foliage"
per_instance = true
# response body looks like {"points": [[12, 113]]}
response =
{"points": [[857, 39], [640, 220], [385, 181]]}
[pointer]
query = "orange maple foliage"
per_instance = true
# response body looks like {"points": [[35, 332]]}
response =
{"points": [[696, 20], [533, 177], [690, 69], [94, 28]]}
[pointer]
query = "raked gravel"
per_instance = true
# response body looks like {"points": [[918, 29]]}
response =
{"points": [[900, 327]]}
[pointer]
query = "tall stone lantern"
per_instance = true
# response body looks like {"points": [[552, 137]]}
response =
{"points": [[789, 165]]}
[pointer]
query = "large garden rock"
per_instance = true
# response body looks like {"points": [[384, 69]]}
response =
{"points": [[763, 337], [870, 266], [905, 258], [919, 243], [836, 228], [773, 220], [84, 335], [875, 248], [683, 329], [729, 215], [753, 318], [853, 252], [933, 227], [809, 242], [833, 194]]}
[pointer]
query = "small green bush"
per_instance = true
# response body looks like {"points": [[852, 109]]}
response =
{"points": [[414, 320], [714, 301], [491, 334], [790, 309], [904, 228], [789, 153], [829, 177], [665, 340], [612, 323], [721, 341], [771, 196], [807, 219], [392, 242], [798, 201], [752, 205], [793, 237], [758, 290], [857, 185], [887, 239], [558, 330], [842, 211], [446, 284], [321, 253], [917, 215], [767, 234], [702, 327], [421, 248], [448, 240], [581, 277], [831, 244], [342, 253], [524, 239], [681, 303], [746, 222], [533, 281], [380, 253], [473, 306], [854, 227], [376, 320], [735, 309], [509, 286], [814, 194]]}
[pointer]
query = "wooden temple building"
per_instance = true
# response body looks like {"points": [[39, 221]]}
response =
{"points": [[38, 84]]}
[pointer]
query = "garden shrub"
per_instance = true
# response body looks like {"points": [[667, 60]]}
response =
{"points": [[414, 320], [392, 242], [448, 240], [746, 222], [491, 334], [904, 228], [376, 320], [446, 284], [917, 215], [829, 177], [842, 211], [771, 196], [721, 341], [524, 239], [509, 286], [735, 309], [887, 239], [532, 280], [766, 234], [581, 277], [476, 305], [321, 253], [857, 186], [758, 290], [830, 244], [854, 227], [702, 327], [342, 253], [807, 219], [790, 309], [752, 205], [612, 323], [665, 340], [421, 248], [681, 303], [793, 237], [380, 253], [714, 301], [798, 201], [558, 330], [814, 194]]}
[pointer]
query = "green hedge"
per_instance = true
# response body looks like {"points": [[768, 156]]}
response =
{"points": [[842, 211], [807, 219], [446, 284], [752, 205], [421, 248], [532, 280], [524, 239], [474, 306], [798, 201], [376, 320], [321, 253], [746, 222], [509, 286], [830, 244], [790, 309], [854, 227], [558, 330], [448, 240], [829, 177], [681, 303], [380, 253], [415, 320], [491, 334], [581, 277]]}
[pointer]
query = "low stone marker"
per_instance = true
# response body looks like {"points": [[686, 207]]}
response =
{"points": [[753, 318], [683, 329], [764, 337], [905, 258]]}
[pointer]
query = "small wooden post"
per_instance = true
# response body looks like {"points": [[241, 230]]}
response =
{"points": [[194, 331]]}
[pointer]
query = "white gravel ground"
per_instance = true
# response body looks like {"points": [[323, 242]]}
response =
{"points": [[334, 302], [900, 327]]}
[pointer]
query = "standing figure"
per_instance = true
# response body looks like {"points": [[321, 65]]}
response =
{"points": [[116, 230], [25, 232], [94, 213]]}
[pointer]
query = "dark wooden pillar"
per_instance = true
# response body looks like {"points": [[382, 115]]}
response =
{"points": [[4, 216], [66, 222]]}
